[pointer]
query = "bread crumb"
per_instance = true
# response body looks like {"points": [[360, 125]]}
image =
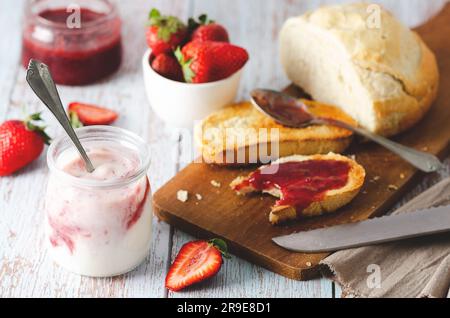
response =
{"points": [[375, 179], [402, 176], [308, 264], [425, 148], [392, 187], [216, 184], [353, 157], [182, 195], [198, 196]]}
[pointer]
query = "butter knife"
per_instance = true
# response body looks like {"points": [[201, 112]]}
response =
{"points": [[373, 231]]}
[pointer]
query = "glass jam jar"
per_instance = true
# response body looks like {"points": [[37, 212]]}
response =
{"points": [[99, 224], [77, 51]]}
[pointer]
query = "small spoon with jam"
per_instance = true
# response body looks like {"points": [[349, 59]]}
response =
{"points": [[291, 112]]}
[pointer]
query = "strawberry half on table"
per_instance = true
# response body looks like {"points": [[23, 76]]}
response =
{"points": [[164, 33], [209, 61], [89, 114], [207, 30], [21, 142], [195, 262]]}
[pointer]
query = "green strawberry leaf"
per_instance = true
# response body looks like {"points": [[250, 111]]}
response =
{"points": [[221, 246], [164, 34], [202, 20], [188, 74], [167, 25], [44, 136], [179, 55], [74, 120], [30, 125], [192, 24], [154, 15], [35, 116]]}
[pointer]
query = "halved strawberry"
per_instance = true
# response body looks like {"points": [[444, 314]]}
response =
{"points": [[93, 115], [195, 262]]}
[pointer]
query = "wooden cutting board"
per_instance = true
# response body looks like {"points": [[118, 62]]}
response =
{"points": [[243, 220]]}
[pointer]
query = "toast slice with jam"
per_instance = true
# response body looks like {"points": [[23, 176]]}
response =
{"points": [[305, 185]]}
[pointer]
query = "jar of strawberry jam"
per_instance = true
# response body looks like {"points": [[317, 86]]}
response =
{"points": [[79, 40]]}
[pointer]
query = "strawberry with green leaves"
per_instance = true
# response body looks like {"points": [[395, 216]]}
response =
{"points": [[207, 30], [164, 33], [209, 61], [21, 142], [195, 262]]}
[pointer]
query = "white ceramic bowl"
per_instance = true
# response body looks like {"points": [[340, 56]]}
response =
{"points": [[182, 104]]}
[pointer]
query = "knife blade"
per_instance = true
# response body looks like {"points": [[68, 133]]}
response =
{"points": [[373, 231]]}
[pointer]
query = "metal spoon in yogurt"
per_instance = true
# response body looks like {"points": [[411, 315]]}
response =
{"points": [[42, 84], [290, 111]]}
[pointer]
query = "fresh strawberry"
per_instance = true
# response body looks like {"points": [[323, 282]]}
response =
{"points": [[196, 261], [91, 114], [210, 61], [207, 30], [168, 66], [164, 33], [21, 142]]}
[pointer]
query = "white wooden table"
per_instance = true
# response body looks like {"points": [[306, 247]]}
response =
{"points": [[25, 269]]}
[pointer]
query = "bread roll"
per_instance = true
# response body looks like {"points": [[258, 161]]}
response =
{"points": [[363, 60]]}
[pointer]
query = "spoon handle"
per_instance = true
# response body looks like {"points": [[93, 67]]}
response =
{"points": [[419, 159], [41, 82]]}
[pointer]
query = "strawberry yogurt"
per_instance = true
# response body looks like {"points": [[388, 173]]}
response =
{"points": [[99, 223]]}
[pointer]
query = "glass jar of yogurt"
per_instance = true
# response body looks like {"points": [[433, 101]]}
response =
{"points": [[99, 223]]}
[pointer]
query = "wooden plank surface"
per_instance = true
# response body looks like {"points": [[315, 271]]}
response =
{"points": [[24, 267], [242, 220]]}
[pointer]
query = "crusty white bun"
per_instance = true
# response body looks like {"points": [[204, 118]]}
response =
{"points": [[330, 201], [364, 61]]}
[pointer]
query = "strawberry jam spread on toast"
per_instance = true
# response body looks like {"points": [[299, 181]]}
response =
{"points": [[299, 182]]}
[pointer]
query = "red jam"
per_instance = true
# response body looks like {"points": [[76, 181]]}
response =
{"points": [[300, 182], [75, 56]]}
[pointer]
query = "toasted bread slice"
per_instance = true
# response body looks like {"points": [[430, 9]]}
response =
{"points": [[233, 135], [328, 200]]}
